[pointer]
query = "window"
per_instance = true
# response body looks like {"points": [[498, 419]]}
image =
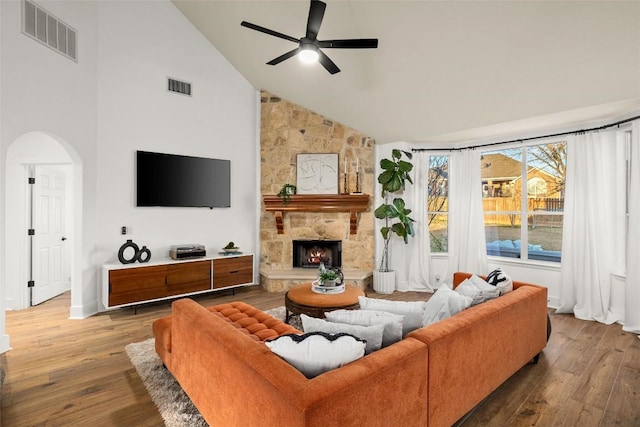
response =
{"points": [[536, 187], [438, 203], [523, 201]]}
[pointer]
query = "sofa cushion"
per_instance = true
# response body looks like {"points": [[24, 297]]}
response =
{"points": [[392, 322], [501, 280], [413, 311], [488, 291], [372, 335], [252, 322], [317, 352], [467, 288], [445, 302]]}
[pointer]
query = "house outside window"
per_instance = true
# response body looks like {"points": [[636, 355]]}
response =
{"points": [[523, 217], [438, 203]]}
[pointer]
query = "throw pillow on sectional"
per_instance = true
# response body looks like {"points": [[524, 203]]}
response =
{"points": [[413, 311], [468, 289], [317, 352], [445, 302], [372, 335], [501, 280], [392, 322], [488, 291]]}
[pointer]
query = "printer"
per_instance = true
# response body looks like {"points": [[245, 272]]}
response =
{"points": [[187, 251]]}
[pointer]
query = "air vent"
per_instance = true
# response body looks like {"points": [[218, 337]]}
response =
{"points": [[178, 86], [45, 28]]}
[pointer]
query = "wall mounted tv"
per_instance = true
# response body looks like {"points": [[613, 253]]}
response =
{"points": [[173, 180]]}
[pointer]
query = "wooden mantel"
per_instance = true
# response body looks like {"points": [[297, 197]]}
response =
{"points": [[352, 203]]}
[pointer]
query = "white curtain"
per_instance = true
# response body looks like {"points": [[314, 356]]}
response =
{"points": [[467, 243], [417, 262], [588, 238], [632, 287]]}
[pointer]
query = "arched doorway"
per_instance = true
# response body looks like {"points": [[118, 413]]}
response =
{"points": [[48, 156]]}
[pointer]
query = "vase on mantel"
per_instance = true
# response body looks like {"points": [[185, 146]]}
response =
{"points": [[384, 282]]}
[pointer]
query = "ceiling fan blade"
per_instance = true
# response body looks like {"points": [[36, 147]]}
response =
{"points": [[287, 55], [268, 31], [327, 63], [349, 44], [316, 13]]}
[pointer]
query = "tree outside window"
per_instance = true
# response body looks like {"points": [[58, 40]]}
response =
{"points": [[438, 203]]}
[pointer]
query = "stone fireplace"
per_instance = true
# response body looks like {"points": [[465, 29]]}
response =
{"points": [[311, 253], [287, 130]]}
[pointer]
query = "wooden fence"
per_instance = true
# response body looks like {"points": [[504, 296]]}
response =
{"points": [[540, 211]]}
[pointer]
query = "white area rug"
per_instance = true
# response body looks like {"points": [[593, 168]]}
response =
{"points": [[174, 405]]}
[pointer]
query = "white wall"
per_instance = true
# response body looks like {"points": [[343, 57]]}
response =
{"points": [[43, 91], [136, 112], [4, 338], [113, 102]]}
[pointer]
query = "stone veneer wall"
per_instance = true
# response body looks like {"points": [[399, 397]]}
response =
{"points": [[286, 130]]}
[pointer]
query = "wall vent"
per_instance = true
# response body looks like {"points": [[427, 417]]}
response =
{"points": [[178, 86], [45, 28]]}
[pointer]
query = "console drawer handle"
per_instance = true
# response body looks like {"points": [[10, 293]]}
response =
{"points": [[233, 271]]}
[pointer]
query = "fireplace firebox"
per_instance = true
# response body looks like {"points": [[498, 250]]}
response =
{"points": [[311, 253]]}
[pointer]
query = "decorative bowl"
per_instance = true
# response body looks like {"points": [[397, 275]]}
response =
{"points": [[320, 289]]}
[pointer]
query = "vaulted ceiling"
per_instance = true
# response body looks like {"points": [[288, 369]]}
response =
{"points": [[444, 70]]}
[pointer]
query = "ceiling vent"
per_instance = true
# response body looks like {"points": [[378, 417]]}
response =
{"points": [[45, 28], [178, 86]]}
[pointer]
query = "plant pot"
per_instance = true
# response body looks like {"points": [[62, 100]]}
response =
{"points": [[384, 282], [327, 283]]}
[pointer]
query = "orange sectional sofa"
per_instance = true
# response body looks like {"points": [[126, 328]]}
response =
{"points": [[432, 377]]}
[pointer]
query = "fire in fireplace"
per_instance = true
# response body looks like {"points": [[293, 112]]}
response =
{"points": [[310, 253]]}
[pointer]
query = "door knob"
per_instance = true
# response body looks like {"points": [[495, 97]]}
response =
{"points": [[63, 239]]}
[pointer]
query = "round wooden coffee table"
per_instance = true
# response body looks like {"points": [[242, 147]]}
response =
{"points": [[302, 300]]}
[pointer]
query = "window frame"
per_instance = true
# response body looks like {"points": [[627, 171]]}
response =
{"points": [[524, 213], [442, 190]]}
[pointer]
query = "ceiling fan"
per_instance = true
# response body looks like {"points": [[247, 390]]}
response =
{"points": [[309, 46]]}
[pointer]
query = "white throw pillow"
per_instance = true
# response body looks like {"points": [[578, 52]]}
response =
{"points": [[317, 352], [488, 291], [500, 280], [445, 302], [371, 334], [413, 311], [468, 289], [392, 322]]}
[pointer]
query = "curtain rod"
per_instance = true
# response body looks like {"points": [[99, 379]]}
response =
{"points": [[472, 147]]}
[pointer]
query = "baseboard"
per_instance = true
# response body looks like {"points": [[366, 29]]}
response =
{"points": [[82, 312], [4, 343]]}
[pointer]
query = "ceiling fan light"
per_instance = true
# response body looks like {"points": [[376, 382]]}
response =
{"points": [[308, 55]]}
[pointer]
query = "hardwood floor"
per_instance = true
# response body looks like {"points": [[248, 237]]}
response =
{"points": [[63, 372]]}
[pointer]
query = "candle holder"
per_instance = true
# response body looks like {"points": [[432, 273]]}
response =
{"points": [[358, 191], [345, 186]]}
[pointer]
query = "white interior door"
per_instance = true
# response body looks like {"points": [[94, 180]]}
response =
{"points": [[50, 273]]}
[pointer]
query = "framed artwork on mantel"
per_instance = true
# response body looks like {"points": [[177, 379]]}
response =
{"points": [[317, 173]]}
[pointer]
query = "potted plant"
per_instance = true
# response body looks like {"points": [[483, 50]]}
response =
{"points": [[393, 179], [285, 193], [326, 277]]}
